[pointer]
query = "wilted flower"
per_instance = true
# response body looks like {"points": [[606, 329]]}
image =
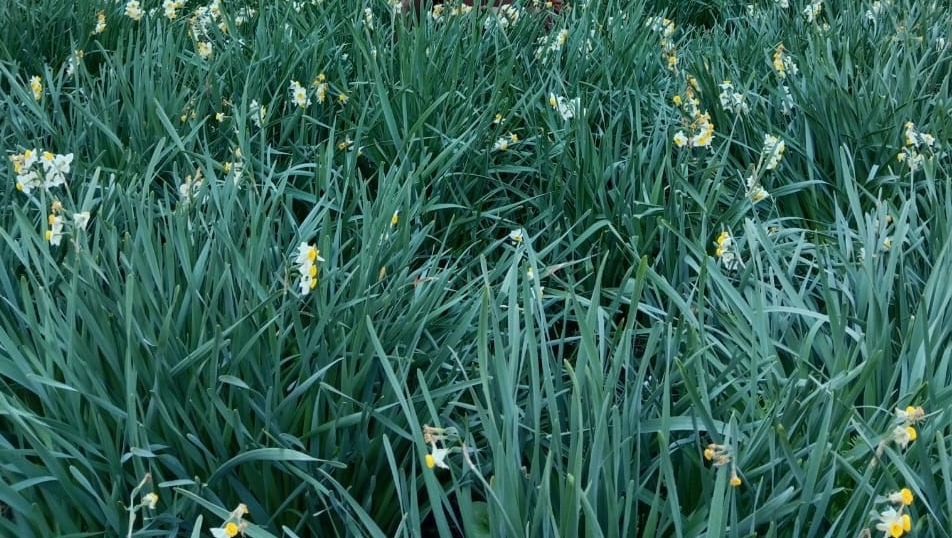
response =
{"points": [[910, 415], [717, 454]]}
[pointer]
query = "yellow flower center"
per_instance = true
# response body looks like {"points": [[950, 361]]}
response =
{"points": [[430, 462], [231, 528]]}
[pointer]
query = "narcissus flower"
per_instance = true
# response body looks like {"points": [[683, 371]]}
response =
{"points": [[299, 94], [150, 500], [234, 525], [100, 23], [306, 261], [36, 86], [783, 63], [731, 100], [503, 143], [81, 220], [55, 167], [134, 10], [204, 49], [258, 112], [902, 497], [894, 523], [567, 108], [902, 435], [55, 232], [437, 458], [773, 150], [171, 8]]}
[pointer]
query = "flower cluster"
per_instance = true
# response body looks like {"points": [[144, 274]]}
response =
{"points": [[73, 62], [204, 49], [773, 151], [51, 173], [320, 87], [551, 43], [435, 437], [905, 432], [721, 455], [915, 143], [567, 108], [876, 9], [696, 122], [236, 167], [171, 8], [503, 17], [368, 19], [770, 157], [234, 524], [54, 234], [731, 100], [665, 28], [100, 23], [812, 11], [725, 251], [783, 63], [189, 189], [505, 142], [892, 521], [36, 86], [133, 10], [258, 113], [299, 95], [306, 265]]}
